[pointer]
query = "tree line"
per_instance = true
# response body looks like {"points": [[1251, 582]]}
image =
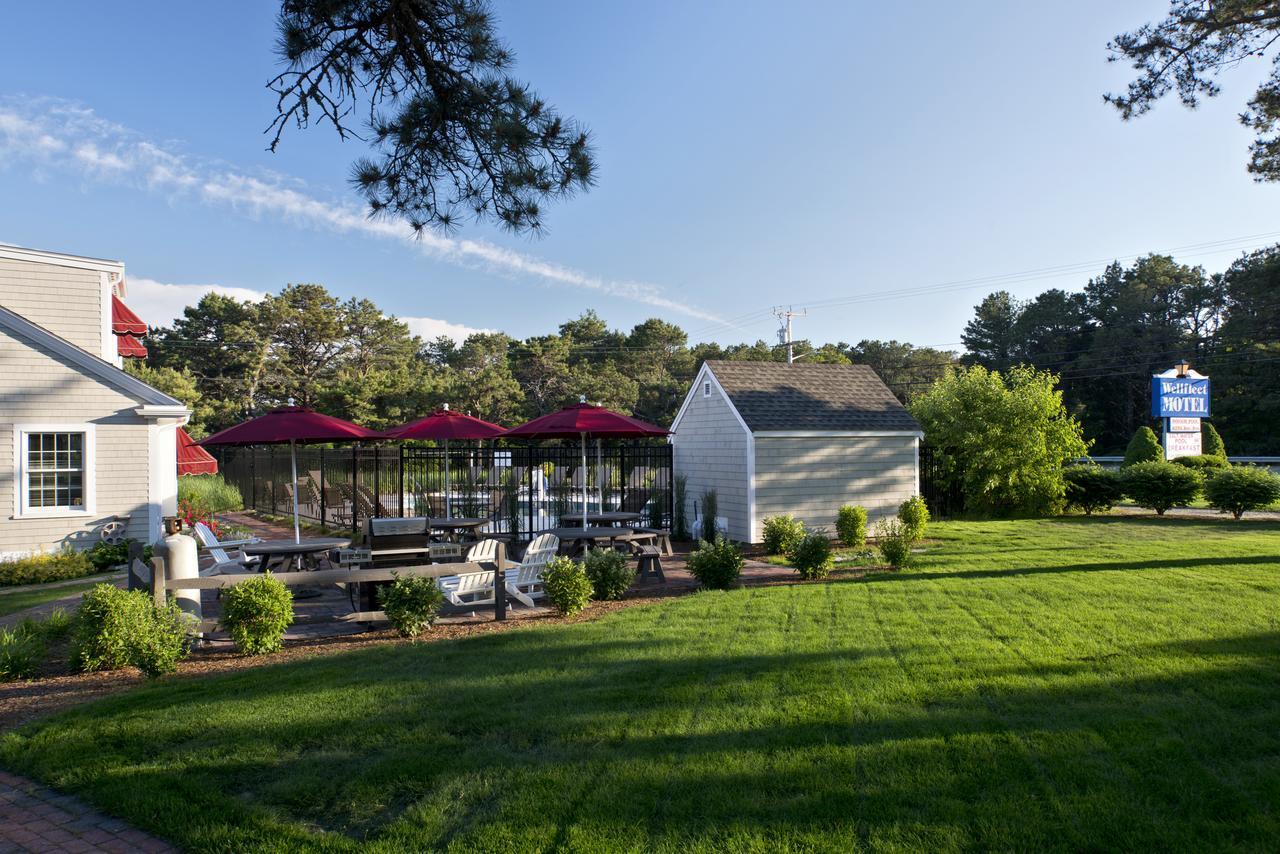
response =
{"points": [[1106, 341], [230, 359]]}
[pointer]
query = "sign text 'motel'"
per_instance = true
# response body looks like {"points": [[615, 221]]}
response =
{"points": [[1179, 396]]}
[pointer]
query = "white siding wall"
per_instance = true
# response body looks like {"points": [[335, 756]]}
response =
{"points": [[711, 451], [67, 301], [810, 478], [37, 386]]}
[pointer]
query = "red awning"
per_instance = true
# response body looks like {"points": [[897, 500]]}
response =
{"points": [[193, 459], [124, 321], [130, 347]]}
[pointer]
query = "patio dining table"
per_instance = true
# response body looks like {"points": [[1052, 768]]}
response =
{"points": [[284, 555], [458, 529], [611, 517], [583, 538]]}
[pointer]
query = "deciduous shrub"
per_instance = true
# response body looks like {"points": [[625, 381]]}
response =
{"points": [[609, 572], [105, 555], [116, 628], [1144, 447], [851, 526], [1239, 489], [1160, 485], [709, 511], [1001, 438], [1211, 443], [782, 534], [716, 565], [914, 516], [1203, 463], [52, 566], [812, 556], [1092, 488], [894, 542], [567, 585], [256, 613], [411, 604]]}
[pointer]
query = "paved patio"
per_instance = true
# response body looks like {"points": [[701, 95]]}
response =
{"points": [[33, 818]]}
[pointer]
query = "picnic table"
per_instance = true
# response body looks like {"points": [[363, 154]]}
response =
{"points": [[612, 517], [458, 528], [282, 555], [583, 538]]}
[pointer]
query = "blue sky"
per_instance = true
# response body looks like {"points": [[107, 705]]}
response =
{"points": [[750, 154]]}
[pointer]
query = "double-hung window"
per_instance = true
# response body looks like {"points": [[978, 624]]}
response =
{"points": [[54, 467]]}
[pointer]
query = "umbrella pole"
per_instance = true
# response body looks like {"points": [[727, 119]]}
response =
{"points": [[584, 481], [447, 513], [293, 462]]}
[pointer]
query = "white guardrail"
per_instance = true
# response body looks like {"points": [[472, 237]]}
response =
{"points": [[1272, 463]]}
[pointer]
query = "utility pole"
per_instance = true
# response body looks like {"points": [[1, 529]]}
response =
{"points": [[784, 332]]}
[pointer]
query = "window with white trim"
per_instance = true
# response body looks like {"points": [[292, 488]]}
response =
{"points": [[54, 469]]}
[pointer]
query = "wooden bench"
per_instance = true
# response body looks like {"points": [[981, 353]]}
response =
{"points": [[650, 563]]}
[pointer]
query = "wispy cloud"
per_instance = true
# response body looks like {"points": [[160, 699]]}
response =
{"points": [[160, 303], [55, 134]]}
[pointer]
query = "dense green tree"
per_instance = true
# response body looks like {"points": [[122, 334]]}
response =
{"points": [[908, 371], [1004, 438], [178, 384], [990, 338], [305, 325], [1245, 368], [1144, 447], [1185, 52], [427, 84], [481, 381], [1211, 443]]}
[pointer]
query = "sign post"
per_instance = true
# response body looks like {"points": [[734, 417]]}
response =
{"points": [[1180, 399]]}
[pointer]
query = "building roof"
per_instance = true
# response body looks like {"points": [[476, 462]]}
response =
{"points": [[775, 396], [86, 362]]}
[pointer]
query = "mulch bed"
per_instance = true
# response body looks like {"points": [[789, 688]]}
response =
{"points": [[57, 688]]}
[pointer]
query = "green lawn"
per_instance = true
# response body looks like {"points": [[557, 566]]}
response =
{"points": [[13, 602], [1080, 683]]}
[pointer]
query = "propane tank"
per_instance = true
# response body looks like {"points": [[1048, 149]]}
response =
{"points": [[180, 561]]}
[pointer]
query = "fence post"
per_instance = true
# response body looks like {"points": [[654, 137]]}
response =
{"points": [[323, 508], [670, 518], [500, 583], [253, 478], [623, 476], [157, 581], [401, 493], [355, 495]]}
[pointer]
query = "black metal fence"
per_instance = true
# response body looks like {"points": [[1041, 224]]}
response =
{"points": [[943, 495], [521, 489]]}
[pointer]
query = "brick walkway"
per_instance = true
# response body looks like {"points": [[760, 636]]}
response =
{"points": [[33, 818]]}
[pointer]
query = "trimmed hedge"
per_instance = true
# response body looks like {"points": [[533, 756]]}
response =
{"points": [[256, 613], [1144, 447], [914, 516], [609, 572], [1092, 488], [411, 603], [812, 556], [42, 568], [117, 628], [1160, 485], [1239, 489], [1202, 463], [567, 585]]}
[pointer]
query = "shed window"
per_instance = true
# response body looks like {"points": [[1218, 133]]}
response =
{"points": [[54, 468]]}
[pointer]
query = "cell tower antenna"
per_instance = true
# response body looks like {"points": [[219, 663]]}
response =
{"points": [[784, 316]]}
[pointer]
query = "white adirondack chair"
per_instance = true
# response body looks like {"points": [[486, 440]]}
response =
{"points": [[470, 588], [223, 562], [524, 583], [483, 550]]}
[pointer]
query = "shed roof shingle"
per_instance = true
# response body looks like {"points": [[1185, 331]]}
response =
{"points": [[778, 396]]}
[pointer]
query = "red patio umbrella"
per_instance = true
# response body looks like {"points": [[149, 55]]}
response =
{"points": [[443, 425], [292, 424], [193, 459], [583, 420]]}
